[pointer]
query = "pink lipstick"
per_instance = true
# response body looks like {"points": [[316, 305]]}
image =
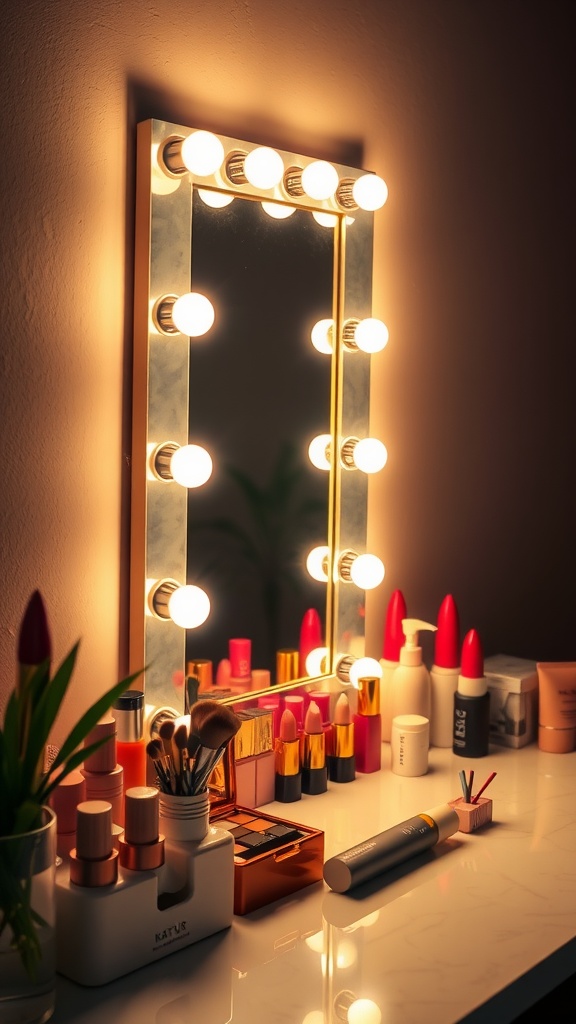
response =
{"points": [[288, 781], [314, 768], [342, 763]]}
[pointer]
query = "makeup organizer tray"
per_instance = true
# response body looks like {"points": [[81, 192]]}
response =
{"points": [[104, 933]]}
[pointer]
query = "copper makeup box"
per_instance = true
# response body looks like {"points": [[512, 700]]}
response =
{"points": [[273, 857]]}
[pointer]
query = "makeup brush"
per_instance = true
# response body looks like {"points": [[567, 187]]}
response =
{"points": [[155, 752], [166, 732], [179, 741], [214, 734]]}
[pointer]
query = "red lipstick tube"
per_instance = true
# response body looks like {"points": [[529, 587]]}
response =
{"points": [[368, 726]]}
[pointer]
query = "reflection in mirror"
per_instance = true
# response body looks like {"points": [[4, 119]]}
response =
{"points": [[259, 393], [249, 373]]}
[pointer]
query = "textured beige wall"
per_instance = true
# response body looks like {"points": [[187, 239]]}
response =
{"points": [[461, 106]]}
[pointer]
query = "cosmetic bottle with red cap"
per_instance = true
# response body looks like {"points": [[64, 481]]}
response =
{"points": [[393, 641], [444, 673], [471, 702]]}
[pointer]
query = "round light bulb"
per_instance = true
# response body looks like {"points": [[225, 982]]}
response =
{"points": [[317, 662], [193, 314], [217, 200], [278, 210], [315, 942], [317, 451], [191, 465], [189, 607], [319, 179], [370, 455], [364, 668], [315, 563], [325, 220], [367, 571], [263, 167], [314, 1017], [346, 954], [202, 153], [370, 192], [321, 336], [364, 1011], [371, 335]]}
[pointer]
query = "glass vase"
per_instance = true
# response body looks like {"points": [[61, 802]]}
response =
{"points": [[27, 924]]}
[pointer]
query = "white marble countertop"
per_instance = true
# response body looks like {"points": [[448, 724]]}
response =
{"points": [[476, 930]]}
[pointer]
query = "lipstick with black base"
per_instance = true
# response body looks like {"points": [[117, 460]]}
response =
{"points": [[314, 769], [288, 782], [342, 762]]}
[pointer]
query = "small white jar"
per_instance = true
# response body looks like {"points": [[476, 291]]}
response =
{"points": [[409, 742]]}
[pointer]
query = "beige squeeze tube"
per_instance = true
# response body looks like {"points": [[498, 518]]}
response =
{"points": [[557, 706]]}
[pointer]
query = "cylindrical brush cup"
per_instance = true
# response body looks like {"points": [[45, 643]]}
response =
{"points": [[184, 818]]}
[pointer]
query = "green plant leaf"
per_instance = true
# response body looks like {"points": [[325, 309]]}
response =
{"points": [[44, 714], [51, 780]]}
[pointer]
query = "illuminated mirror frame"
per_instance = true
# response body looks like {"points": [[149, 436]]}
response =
{"points": [[163, 257]]}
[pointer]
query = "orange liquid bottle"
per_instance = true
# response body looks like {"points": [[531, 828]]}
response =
{"points": [[128, 711]]}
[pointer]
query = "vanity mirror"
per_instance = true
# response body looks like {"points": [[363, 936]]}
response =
{"points": [[253, 334]]}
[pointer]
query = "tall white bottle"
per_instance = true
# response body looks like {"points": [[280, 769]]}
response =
{"points": [[410, 687]]}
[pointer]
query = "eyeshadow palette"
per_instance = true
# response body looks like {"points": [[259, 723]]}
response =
{"points": [[272, 857], [258, 835]]}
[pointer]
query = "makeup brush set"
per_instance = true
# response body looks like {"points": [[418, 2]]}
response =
{"points": [[184, 756]]}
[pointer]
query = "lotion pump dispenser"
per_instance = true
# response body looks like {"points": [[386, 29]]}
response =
{"points": [[411, 680]]}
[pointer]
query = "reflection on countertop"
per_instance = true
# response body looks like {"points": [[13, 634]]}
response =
{"points": [[477, 929]]}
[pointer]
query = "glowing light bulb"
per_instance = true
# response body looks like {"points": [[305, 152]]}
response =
{"points": [[189, 607], [315, 563], [317, 662], [263, 167], [370, 455], [367, 571], [325, 220], [371, 335], [346, 954], [315, 942], [370, 192], [193, 314], [364, 668], [319, 179], [217, 200], [321, 336], [191, 465], [202, 153], [314, 1017], [364, 1011], [317, 451], [278, 210]]}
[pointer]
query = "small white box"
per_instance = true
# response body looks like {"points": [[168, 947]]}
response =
{"points": [[513, 687]]}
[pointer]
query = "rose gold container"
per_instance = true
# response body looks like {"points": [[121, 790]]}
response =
{"points": [[268, 876]]}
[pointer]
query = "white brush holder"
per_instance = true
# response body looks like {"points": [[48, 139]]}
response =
{"points": [[103, 933]]}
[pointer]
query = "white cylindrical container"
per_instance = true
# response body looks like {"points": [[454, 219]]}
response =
{"points": [[184, 817], [409, 745]]}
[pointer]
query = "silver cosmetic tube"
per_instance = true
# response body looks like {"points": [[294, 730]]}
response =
{"points": [[365, 861]]}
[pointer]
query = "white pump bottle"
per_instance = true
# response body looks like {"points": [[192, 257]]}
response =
{"points": [[410, 687]]}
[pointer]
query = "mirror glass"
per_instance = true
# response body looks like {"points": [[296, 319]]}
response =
{"points": [[253, 391], [259, 393]]}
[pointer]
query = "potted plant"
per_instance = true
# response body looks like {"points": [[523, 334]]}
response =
{"points": [[27, 778]]}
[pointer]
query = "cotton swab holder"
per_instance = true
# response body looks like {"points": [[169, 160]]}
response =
{"points": [[472, 816]]}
